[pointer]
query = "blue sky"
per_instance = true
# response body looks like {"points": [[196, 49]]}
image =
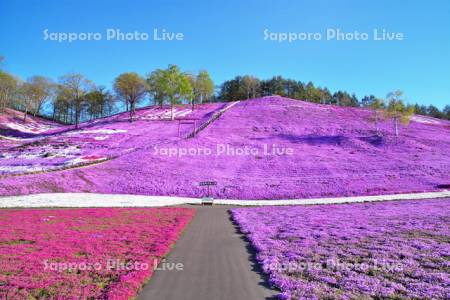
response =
{"points": [[227, 38]]}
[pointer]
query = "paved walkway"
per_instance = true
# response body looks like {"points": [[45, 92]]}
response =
{"points": [[217, 264]]}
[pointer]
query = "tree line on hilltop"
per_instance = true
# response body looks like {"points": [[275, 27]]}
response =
{"points": [[244, 87], [73, 98]]}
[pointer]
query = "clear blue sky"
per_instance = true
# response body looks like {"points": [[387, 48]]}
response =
{"points": [[227, 39]]}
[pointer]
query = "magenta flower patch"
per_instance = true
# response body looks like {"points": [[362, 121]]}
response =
{"points": [[395, 250], [84, 253]]}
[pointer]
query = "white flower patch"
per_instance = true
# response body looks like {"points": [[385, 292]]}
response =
{"points": [[18, 139], [40, 168], [166, 114], [30, 155], [50, 152], [100, 131], [101, 138], [183, 113], [21, 169], [307, 106], [425, 120], [7, 155], [85, 159], [69, 151], [111, 200], [44, 152], [154, 115], [29, 127]]}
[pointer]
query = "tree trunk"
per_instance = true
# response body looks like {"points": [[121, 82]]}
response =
{"points": [[76, 119], [376, 122], [25, 115], [131, 111], [396, 126], [38, 108], [171, 112]]}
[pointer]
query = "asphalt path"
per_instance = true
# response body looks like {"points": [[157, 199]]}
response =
{"points": [[214, 262]]}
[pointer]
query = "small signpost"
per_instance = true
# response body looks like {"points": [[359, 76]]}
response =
{"points": [[207, 200]]}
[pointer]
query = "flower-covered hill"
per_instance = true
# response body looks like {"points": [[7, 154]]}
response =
{"points": [[12, 125], [268, 148], [49, 148]]}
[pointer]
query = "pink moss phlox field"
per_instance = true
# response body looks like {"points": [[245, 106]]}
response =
{"points": [[391, 250], [83, 253], [335, 152], [39, 145]]}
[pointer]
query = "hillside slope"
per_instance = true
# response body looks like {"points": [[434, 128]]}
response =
{"points": [[12, 125], [320, 151], [60, 147]]}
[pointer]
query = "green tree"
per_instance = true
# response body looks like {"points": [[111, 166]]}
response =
{"points": [[203, 87], [342, 98], [312, 94], [32, 94], [25, 98], [250, 85], [367, 101], [100, 103], [447, 112], [74, 87], [397, 110], [170, 85], [325, 95], [156, 86], [299, 91], [290, 87], [176, 86], [434, 112], [131, 88], [8, 88], [276, 86], [62, 105], [42, 89], [231, 90], [420, 109], [378, 106]]}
